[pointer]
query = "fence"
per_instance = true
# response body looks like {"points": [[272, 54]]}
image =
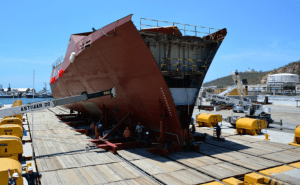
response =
{"points": [[176, 26], [58, 61]]}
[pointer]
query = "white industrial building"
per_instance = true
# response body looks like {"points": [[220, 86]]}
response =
{"points": [[20, 90], [283, 77], [283, 83]]}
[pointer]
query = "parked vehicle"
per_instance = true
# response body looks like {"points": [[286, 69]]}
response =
{"points": [[238, 108]]}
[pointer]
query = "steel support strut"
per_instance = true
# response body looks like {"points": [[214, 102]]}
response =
{"points": [[117, 126]]}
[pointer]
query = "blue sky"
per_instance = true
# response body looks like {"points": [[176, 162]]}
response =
{"points": [[262, 35]]}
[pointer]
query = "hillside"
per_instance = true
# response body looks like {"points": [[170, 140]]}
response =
{"points": [[255, 77], [293, 68]]}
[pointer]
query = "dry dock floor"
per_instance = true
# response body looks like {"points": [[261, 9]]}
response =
{"points": [[61, 157]]}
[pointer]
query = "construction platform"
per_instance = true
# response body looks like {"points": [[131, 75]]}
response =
{"points": [[61, 157]]}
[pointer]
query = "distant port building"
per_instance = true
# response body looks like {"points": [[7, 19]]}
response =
{"points": [[283, 83], [20, 90]]}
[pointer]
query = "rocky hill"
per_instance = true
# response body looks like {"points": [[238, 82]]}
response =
{"points": [[293, 68], [255, 77]]}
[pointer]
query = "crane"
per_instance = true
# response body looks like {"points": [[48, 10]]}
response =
{"points": [[251, 110], [239, 85]]}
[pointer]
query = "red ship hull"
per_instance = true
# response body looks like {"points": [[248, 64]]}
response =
{"points": [[117, 56]]}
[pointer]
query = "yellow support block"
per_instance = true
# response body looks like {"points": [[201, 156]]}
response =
{"points": [[14, 165], [257, 179], [11, 147], [11, 120], [233, 181], [179, 59], [184, 65], [12, 130], [276, 170], [213, 183], [297, 165], [254, 178]]}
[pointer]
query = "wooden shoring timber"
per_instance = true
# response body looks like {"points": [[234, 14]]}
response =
{"points": [[193, 159], [135, 154], [283, 156], [224, 170]]}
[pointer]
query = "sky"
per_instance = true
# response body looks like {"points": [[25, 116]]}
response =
{"points": [[262, 35]]}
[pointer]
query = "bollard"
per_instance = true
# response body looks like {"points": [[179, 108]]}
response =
{"points": [[281, 124], [86, 148], [267, 137], [23, 119]]}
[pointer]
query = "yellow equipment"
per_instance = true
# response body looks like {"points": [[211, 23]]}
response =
{"points": [[250, 126], [11, 147], [14, 166], [257, 179], [233, 181], [297, 137], [11, 120], [17, 103], [208, 120], [11, 129]]}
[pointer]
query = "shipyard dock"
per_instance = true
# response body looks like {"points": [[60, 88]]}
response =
{"points": [[61, 157]]}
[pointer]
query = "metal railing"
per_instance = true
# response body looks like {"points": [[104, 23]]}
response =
{"points": [[179, 64], [175, 26], [58, 61]]}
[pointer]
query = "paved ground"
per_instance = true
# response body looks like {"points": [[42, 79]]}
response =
{"points": [[290, 115], [290, 118]]}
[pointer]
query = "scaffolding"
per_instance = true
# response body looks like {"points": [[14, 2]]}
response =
{"points": [[283, 88]]}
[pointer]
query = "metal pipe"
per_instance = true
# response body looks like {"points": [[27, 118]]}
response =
{"points": [[167, 133]]}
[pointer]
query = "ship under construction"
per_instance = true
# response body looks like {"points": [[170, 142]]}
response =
{"points": [[157, 72]]}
